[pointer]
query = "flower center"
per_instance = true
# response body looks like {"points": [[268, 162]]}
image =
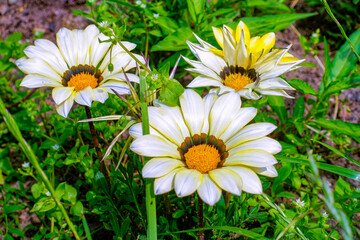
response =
{"points": [[82, 76], [203, 153], [237, 77], [202, 158]]}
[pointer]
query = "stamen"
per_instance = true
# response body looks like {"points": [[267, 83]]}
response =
{"points": [[203, 152], [82, 76], [237, 77], [202, 158]]}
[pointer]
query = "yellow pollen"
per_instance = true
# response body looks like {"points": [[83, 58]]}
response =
{"points": [[237, 81], [83, 80], [202, 158]]}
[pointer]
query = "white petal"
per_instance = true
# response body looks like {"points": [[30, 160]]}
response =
{"points": [[165, 124], [136, 131], [121, 62], [223, 112], [49, 46], [84, 97], [176, 114], [166, 183], [229, 49], [242, 117], [249, 93], [154, 146], [67, 46], [203, 81], [279, 69], [193, 110], [208, 191], [38, 66], [119, 87], [250, 132], [207, 58], [251, 182], [252, 158], [64, 108], [275, 92], [209, 101], [202, 69], [98, 50], [268, 171], [50, 58], [60, 94], [187, 181], [267, 144], [100, 94], [227, 180], [36, 81], [121, 77], [274, 83], [242, 56], [158, 167]]}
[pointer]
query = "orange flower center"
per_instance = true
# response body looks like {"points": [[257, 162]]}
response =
{"points": [[202, 157], [237, 81], [83, 80], [238, 77]]}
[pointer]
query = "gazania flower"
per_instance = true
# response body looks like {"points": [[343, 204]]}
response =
{"points": [[246, 65], [78, 68], [205, 146]]}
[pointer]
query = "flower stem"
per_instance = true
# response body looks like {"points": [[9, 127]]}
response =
{"points": [[14, 129], [149, 183], [103, 169], [200, 215]]}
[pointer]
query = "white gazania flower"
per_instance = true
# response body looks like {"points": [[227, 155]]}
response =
{"points": [[78, 68], [246, 65], [204, 146]]}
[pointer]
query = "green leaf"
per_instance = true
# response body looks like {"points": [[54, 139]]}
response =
{"points": [[125, 227], [271, 23], [66, 192], [284, 173], [77, 209], [342, 188], [302, 87], [16, 231], [340, 127], [325, 80], [37, 190], [299, 108], [101, 182], [347, 82], [345, 60], [175, 41], [11, 208], [178, 213], [278, 105], [327, 167], [338, 152], [237, 230], [196, 9], [44, 204], [171, 92]]}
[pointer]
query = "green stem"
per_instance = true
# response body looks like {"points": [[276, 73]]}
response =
{"points": [[328, 9], [149, 183], [14, 129]]}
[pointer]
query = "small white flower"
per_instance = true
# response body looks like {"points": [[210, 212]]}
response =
{"points": [[143, 5], [325, 215], [154, 77], [25, 165], [47, 193], [299, 203], [56, 147], [104, 24], [138, 2], [156, 15]]}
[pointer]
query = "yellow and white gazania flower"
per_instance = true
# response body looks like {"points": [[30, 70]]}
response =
{"points": [[78, 68], [246, 65], [204, 146]]}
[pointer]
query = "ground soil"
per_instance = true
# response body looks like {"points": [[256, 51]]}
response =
{"points": [[30, 16]]}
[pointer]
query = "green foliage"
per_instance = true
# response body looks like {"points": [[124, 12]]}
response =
{"points": [[298, 203]]}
